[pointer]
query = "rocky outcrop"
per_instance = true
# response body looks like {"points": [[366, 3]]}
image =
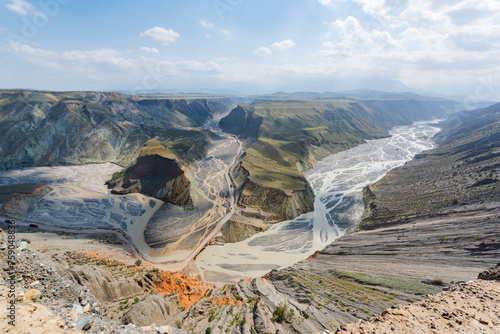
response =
{"points": [[17, 201], [106, 286], [491, 274], [267, 203], [470, 307], [236, 231], [48, 128], [102, 284], [158, 174], [154, 309], [460, 175], [241, 122], [274, 205]]}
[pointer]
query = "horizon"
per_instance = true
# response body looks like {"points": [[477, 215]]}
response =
{"points": [[252, 48]]}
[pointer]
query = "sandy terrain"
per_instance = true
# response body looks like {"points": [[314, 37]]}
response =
{"points": [[32, 318]]}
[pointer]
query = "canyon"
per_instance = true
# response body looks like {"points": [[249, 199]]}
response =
{"points": [[305, 212]]}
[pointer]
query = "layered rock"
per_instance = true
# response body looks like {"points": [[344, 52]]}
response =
{"points": [[154, 309], [158, 174], [462, 174], [236, 231], [103, 284], [48, 128], [274, 205]]}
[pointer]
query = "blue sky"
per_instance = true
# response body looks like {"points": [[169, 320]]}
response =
{"points": [[252, 46]]}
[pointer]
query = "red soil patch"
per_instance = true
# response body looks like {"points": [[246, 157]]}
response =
{"points": [[189, 290], [226, 301]]}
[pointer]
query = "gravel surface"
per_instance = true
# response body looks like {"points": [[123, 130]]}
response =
{"points": [[48, 303]]}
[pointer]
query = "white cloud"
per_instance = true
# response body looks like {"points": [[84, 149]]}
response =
{"points": [[263, 51], [329, 2], [145, 49], [161, 34], [286, 44], [423, 43], [107, 56], [42, 56], [206, 24], [19, 6], [33, 52]]}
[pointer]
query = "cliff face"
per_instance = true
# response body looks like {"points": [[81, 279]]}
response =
{"points": [[235, 231], [241, 122], [285, 137], [49, 128], [156, 173], [274, 205], [461, 175], [196, 110], [404, 111]]}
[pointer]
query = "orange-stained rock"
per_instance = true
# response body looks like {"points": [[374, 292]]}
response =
{"points": [[313, 256]]}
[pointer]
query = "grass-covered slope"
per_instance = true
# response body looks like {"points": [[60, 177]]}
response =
{"points": [[463, 174], [50, 128], [285, 137]]}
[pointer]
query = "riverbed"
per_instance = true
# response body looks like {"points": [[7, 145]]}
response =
{"points": [[337, 182]]}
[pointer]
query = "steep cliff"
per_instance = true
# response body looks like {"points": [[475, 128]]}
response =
{"points": [[460, 175], [312, 296], [50, 128], [156, 173], [285, 137], [236, 231]]}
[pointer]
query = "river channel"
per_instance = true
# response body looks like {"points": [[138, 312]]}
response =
{"points": [[337, 182]]}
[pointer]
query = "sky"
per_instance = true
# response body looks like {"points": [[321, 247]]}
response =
{"points": [[449, 47]]}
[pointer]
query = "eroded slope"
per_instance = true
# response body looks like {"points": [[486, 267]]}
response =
{"points": [[49, 128], [462, 174]]}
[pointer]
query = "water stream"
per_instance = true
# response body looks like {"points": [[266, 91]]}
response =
{"points": [[337, 181]]}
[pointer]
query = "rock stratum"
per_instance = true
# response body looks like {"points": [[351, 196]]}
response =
{"points": [[386, 275], [155, 173], [461, 175], [79, 291], [285, 136], [71, 128]]}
